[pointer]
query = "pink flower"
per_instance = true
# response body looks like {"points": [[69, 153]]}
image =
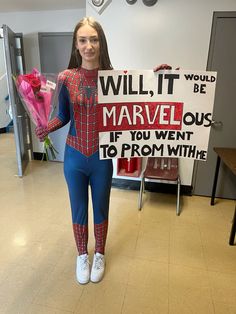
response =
{"points": [[37, 96]]}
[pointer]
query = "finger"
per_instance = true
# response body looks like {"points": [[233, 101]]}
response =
{"points": [[162, 67], [158, 68]]}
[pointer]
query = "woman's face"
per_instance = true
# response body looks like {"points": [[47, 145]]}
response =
{"points": [[87, 43]]}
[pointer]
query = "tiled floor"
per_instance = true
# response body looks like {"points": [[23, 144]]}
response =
{"points": [[157, 263]]}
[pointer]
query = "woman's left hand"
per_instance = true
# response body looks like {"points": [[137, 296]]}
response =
{"points": [[163, 67]]}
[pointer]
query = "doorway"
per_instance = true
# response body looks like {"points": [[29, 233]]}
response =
{"points": [[14, 64], [55, 50], [5, 110], [221, 58]]}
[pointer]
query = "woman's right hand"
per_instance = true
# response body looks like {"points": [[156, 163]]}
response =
{"points": [[41, 132]]}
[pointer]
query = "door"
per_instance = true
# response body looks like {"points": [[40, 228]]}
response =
{"points": [[5, 113], [55, 50], [14, 58], [222, 59]]}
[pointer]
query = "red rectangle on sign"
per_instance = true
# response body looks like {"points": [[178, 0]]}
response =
{"points": [[139, 116]]}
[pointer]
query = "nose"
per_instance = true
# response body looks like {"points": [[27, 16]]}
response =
{"points": [[89, 45]]}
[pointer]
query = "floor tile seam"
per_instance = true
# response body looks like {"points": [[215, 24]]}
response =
{"points": [[31, 302], [150, 260], [87, 285], [160, 259], [133, 286], [148, 286], [169, 245], [168, 279], [51, 308], [155, 239], [159, 234], [209, 268], [230, 273], [81, 296], [123, 302], [228, 304], [51, 265], [221, 246], [171, 264], [144, 223], [175, 234], [44, 283], [225, 231], [43, 303], [128, 273], [175, 248], [211, 291], [153, 259], [6, 278], [137, 237], [202, 244], [21, 285], [214, 301], [222, 271], [37, 293], [169, 261]]}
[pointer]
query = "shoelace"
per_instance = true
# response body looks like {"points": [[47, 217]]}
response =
{"points": [[84, 262], [99, 262]]}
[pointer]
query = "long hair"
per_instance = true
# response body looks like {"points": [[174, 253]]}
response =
{"points": [[104, 59]]}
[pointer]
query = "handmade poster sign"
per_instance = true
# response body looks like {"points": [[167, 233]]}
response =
{"points": [[162, 114]]}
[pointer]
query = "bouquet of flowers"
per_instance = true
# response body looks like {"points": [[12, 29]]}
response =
{"points": [[37, 93]]}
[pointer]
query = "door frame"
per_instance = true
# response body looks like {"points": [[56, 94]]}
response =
{"points": [[215, 17]]}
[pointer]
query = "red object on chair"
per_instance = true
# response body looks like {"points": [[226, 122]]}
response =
{"points": [[129, 166], [161, 168]]}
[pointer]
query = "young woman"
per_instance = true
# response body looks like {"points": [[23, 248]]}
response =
{"points": [[82, 167]]}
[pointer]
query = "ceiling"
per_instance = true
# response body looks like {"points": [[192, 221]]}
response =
{"points": [[42, 5]]}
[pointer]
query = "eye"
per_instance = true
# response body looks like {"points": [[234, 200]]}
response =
{"points": [[94, 41], [82, 41]]}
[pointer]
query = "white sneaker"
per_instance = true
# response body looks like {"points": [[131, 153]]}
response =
{"points": [[82, 269], [98, 267]]}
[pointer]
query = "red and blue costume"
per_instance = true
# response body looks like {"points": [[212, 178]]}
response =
{"points": [[82, 167]]}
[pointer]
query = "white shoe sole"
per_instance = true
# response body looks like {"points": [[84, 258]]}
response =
{"points": [[82, 282], [96, 281]]}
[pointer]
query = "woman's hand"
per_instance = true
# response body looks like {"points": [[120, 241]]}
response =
{"points": [[163, 67], [41, 132]]}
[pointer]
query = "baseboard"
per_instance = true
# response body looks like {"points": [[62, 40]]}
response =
{"points": [[3, 130], [151, 186], [39, 156]]}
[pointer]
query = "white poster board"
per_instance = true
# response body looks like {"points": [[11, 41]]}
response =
{"points": [[142, 113]]}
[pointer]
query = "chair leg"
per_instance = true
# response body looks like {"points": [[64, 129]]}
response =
{"points": [[178, 197], [233, 229], [140, 200]]}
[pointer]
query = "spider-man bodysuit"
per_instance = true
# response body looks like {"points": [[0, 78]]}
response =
{"points": [[82, 167]]}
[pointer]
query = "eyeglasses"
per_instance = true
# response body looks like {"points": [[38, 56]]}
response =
{"points": [[94, 41]]}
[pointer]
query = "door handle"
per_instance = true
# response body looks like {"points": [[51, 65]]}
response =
{"points": [[216, 124]]}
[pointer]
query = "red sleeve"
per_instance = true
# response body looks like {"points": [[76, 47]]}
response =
{"points": [[54, 124]]}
